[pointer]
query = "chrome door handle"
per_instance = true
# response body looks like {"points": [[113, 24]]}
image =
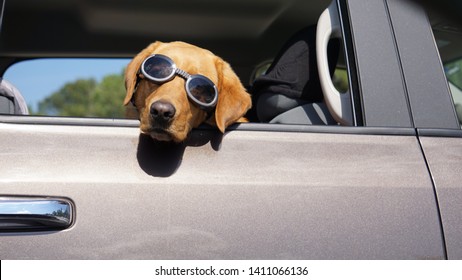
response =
{"points": [[35, 213]]}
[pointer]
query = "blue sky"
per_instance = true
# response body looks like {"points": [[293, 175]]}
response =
{"points": [[30, 207], [39, 78]]}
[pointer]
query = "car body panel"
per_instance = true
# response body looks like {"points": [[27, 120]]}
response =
{"points": [[247, 195], [444, 156]]}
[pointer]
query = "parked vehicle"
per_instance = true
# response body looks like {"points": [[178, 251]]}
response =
{"points": [[383, 182]]}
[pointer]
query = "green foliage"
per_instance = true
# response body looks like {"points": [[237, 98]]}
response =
{"points": [[454, 72], [340, 80], [107, 98], [87, 98], [60, 213]]}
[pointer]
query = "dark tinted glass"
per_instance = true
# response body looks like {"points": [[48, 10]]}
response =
{"points": [[201, 89], [158, 67]]}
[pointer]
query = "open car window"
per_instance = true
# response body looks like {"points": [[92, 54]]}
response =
{"points": [[91, 87], [76, 87], [83, 87]]}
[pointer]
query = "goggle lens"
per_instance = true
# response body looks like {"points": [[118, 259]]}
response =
{"points": [[158, 67], [201, 89]]}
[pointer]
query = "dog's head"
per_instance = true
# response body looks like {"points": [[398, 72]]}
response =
{"points": [[165, 111]]}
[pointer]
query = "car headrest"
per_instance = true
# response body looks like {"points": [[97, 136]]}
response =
{"points": [[293, 76], [11, 100]]}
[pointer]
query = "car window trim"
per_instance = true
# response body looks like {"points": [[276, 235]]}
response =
{"points": [[437, 132], [350, 57], [277, 128]]}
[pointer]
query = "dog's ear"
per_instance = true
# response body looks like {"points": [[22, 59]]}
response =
{"points": [[233, 99], [131, 71]]}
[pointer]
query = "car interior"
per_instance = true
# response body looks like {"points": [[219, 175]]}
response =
{"points": [[250, 35]]}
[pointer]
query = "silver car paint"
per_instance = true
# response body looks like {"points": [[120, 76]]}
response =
{"points": [[247, 195], [444, 156]]}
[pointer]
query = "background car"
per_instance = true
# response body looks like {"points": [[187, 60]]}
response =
{"points": [[382, 182]]}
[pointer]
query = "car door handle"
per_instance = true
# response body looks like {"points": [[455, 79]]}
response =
{"points": [[35, 213]]}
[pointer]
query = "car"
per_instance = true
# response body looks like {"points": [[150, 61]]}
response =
{"points": [[381, 182]]}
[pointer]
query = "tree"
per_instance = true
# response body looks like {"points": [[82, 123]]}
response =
{"points": [[71, 100], [107, 97], [454, 72], [87, 98]]}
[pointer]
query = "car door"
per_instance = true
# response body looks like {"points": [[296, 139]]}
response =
{"points": [[260, 191], [434, 116]]}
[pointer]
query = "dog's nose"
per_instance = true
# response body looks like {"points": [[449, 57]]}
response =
{"points": [[162, 111]]}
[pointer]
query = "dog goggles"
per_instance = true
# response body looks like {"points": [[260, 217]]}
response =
{"points": [[200, 89]]}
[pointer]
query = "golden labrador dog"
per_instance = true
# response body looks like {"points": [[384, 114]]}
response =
{"points": [[177, 86]]}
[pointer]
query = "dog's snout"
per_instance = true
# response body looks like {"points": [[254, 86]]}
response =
{"points": [[162, 111]]}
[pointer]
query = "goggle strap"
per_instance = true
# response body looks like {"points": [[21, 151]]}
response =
{"points": [[182, 73]]}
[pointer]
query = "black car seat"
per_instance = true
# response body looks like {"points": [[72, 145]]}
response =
{"points": [[11, 100], [290, 91]]}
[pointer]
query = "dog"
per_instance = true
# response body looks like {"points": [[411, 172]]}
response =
{"points": [[168, 110]]}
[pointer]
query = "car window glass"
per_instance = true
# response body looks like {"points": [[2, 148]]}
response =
{"points": [[453, 72], [448, 37], [77, 87]]}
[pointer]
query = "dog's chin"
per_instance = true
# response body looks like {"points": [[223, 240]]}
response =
{"points": [[159, 134]]}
